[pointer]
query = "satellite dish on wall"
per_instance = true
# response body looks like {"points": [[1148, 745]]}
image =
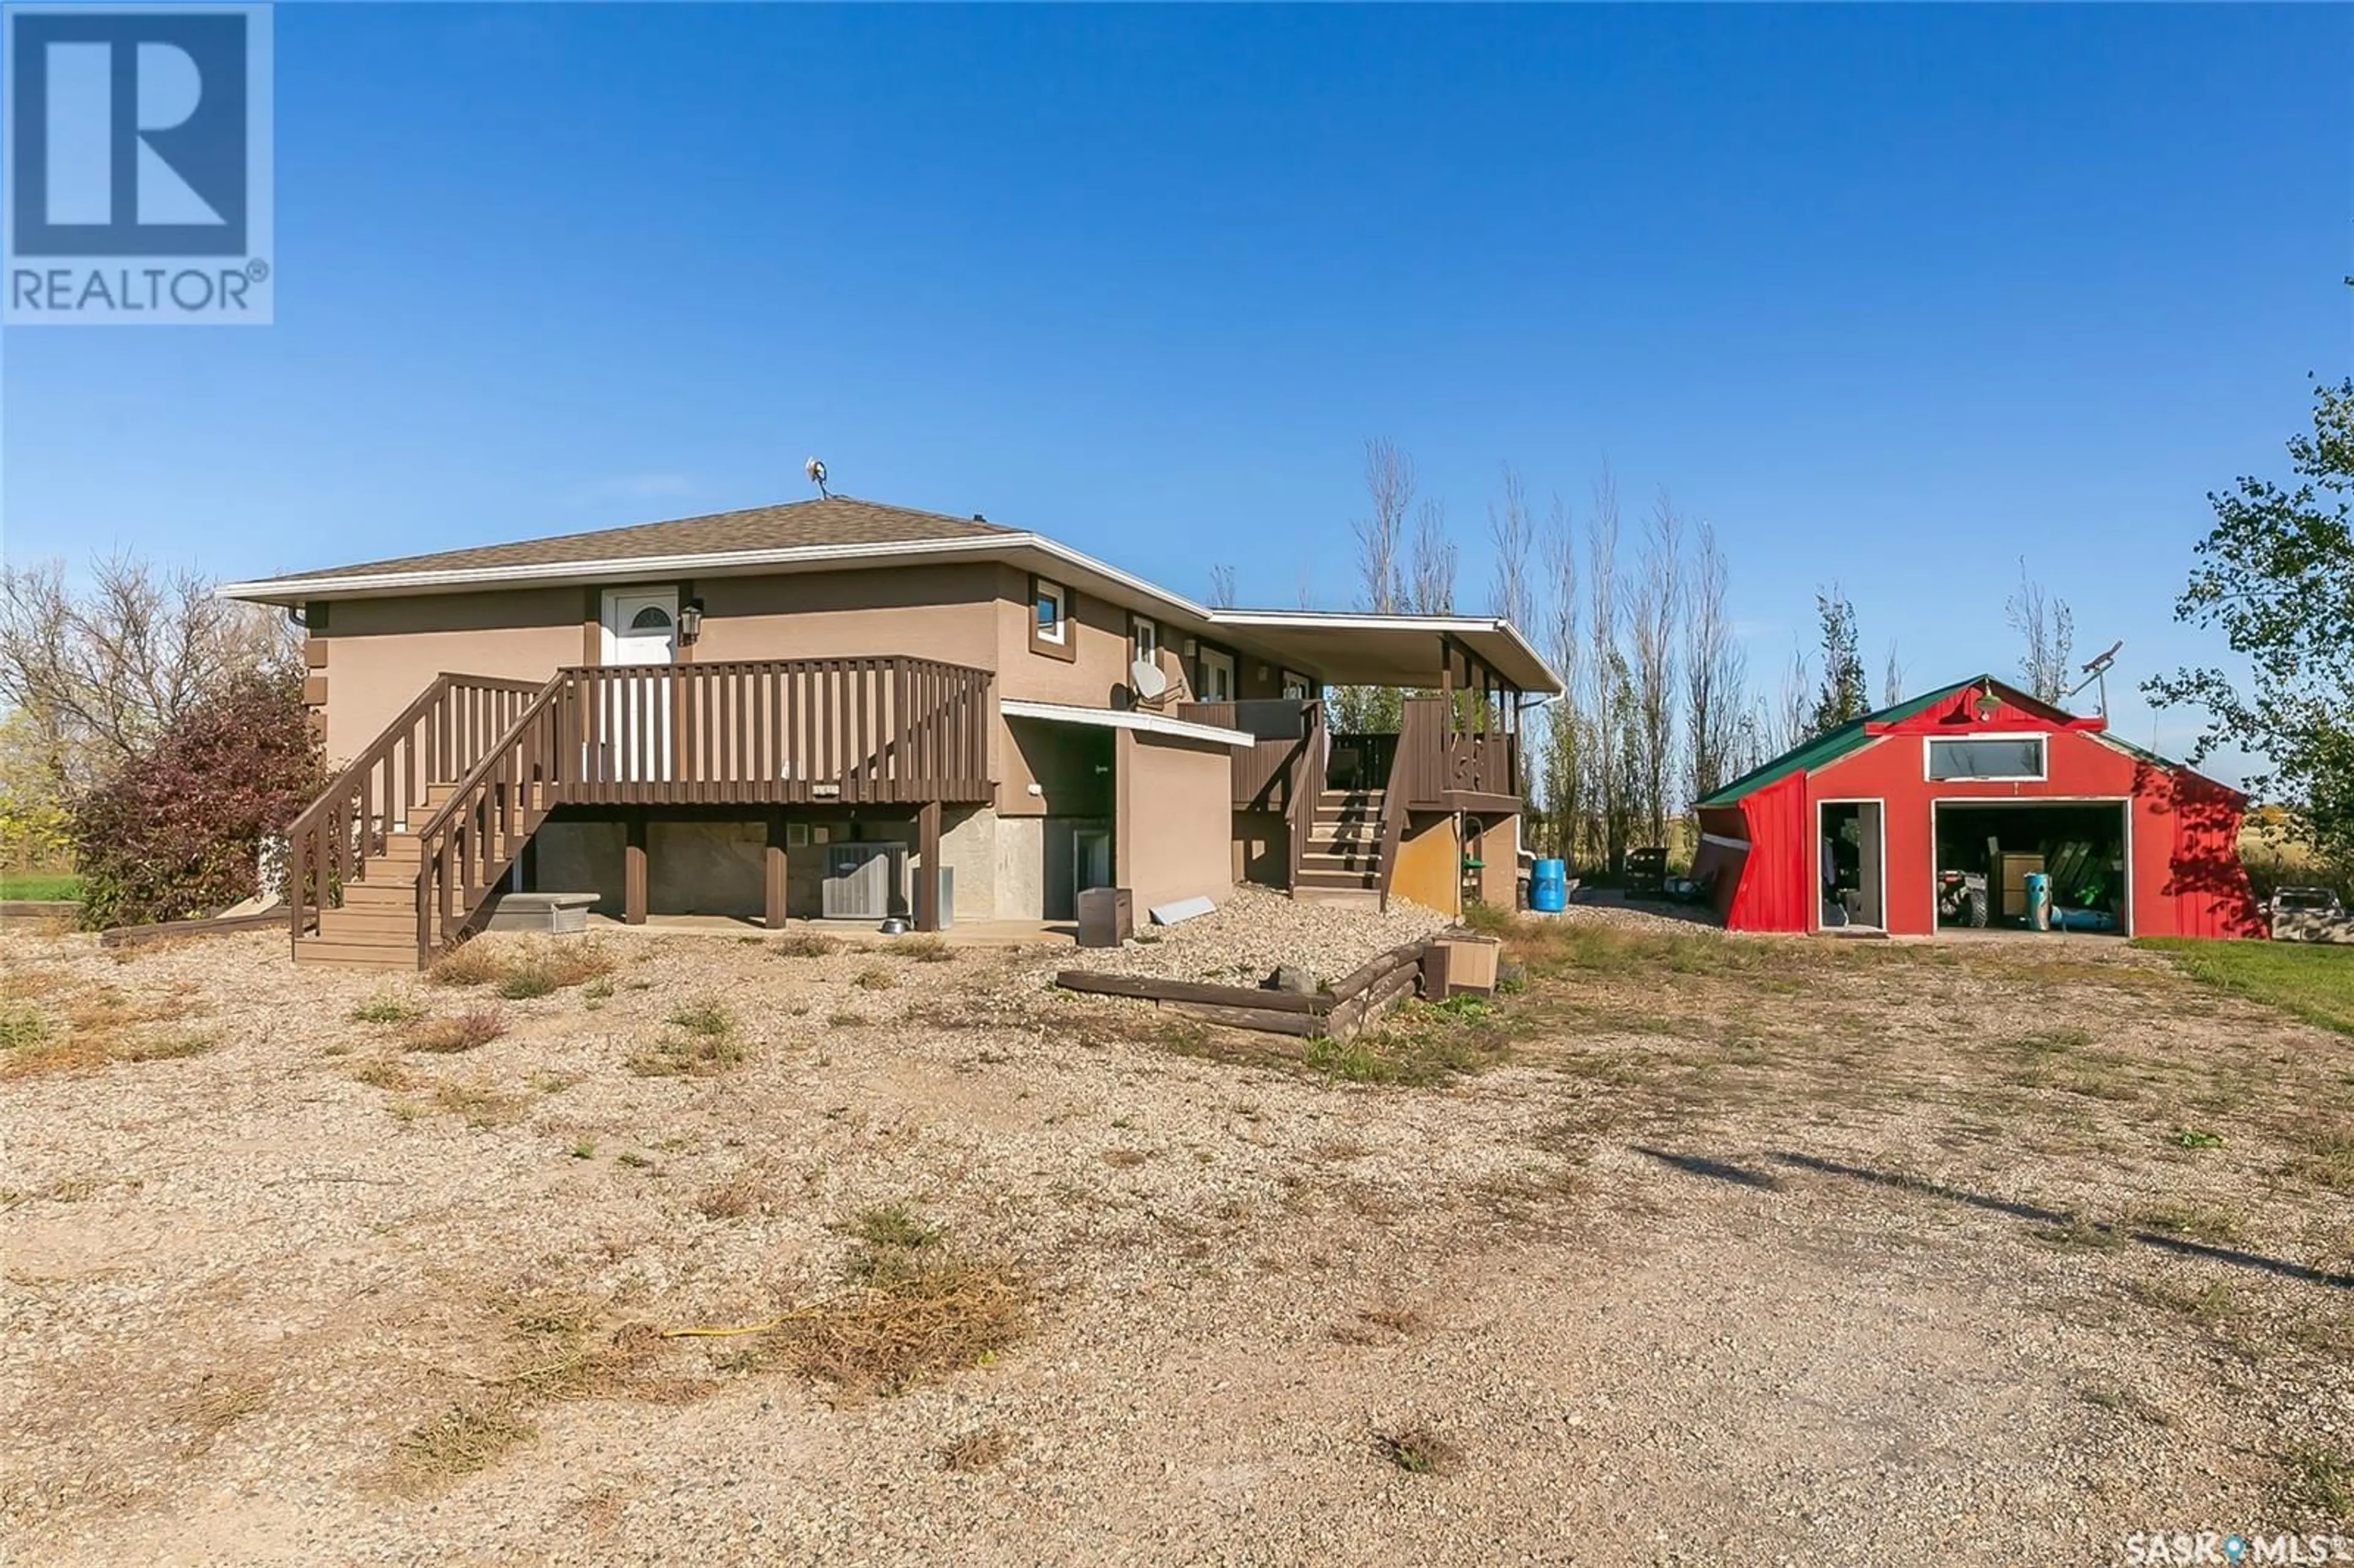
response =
{"points": [[1147, 681]]}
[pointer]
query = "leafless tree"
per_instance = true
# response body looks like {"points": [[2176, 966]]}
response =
{"points": [[1381, 536], [1716, 672], [1567, 763], [1892, 678], [1789, 723], [1433, 589], [1513, 531], [103, 670], [2047, 628], [1222, 587], [1651, 627], [1608, 697], [1381, 577]]}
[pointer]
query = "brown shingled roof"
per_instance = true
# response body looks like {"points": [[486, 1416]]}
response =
{"points": [[835, 520]]}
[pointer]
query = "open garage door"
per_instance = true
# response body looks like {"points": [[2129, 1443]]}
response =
{"points": [[1985, 851]]}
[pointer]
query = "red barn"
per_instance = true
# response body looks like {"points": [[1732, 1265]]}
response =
{"points": [[1977, 779]]}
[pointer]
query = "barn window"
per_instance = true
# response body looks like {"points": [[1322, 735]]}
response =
{"points": [[1999, 756]]}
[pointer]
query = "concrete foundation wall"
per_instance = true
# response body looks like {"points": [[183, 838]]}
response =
{"points": [[716, 863], [580, 857], [705, 867]]}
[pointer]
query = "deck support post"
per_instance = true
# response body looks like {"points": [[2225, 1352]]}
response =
{"points": [[927, 875], [773, 874], [634, 870]]}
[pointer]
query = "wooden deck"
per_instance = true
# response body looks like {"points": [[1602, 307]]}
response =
{"points": [[391, 861]]}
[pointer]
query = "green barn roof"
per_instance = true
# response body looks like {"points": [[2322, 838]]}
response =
{"points": [[1833, 744]]}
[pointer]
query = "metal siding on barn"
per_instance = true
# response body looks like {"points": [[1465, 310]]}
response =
{"points": [[1776, 881], [2206, 892]]}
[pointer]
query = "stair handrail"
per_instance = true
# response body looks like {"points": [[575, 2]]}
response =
{"points": [[1307, 788], [320, 846], [1395, 792], [438, 838]]}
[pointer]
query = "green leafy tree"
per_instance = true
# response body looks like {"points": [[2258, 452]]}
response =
{"points": [[2276, 576], [1844, 693]]}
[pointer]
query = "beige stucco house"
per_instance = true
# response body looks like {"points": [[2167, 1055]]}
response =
{"points": [[836, 707]]}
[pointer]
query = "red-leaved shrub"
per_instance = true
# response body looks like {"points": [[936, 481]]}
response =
{"points": [[177, 833]]}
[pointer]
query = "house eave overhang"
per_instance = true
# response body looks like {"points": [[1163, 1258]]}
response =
{"points": [[1141, 720], [1272, 636]]}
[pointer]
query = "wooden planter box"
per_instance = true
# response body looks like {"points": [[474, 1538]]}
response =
{"points": [[1462, 966]]}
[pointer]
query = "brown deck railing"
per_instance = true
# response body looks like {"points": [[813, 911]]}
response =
{"points": [[452, 723], [1485, 762], [468, 843], [780, 731]]}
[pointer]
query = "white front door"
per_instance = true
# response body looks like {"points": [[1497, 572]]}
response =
{"points": [[641, 628]]}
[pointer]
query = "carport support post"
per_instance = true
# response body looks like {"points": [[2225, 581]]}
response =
{"points": [[773, 874], [928, 876], [634, 870]]}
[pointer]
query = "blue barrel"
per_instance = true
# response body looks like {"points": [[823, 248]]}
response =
{"points": [[1549, 886], [2038, 887]]}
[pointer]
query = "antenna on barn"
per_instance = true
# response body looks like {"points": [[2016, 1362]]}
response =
{"points": [[2096, 668], [816, 472]]}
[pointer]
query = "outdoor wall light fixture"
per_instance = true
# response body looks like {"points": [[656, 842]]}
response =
{"points": [[690, 620], [1987, 703]]}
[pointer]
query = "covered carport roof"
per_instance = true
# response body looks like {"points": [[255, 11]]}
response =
{"points": [[1352, 649]]}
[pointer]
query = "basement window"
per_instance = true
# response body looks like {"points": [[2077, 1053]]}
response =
{"points": [[1987, 758]]}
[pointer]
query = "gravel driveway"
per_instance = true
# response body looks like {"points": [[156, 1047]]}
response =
{"points": [[1747, 1251]]}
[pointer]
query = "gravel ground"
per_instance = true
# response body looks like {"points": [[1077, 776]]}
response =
{"points": [[1244, 939], [1771, 1262]]}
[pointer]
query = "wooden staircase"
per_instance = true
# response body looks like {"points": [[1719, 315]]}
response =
{"points": [[390, 864], [1341, 860], [375, 925]]}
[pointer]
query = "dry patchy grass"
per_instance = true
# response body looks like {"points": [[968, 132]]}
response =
{"points": [[1418, 1451], [453, 1032], [806, 945], [925, 948], [976, 1451], [80, 1027], [521, 971], [706, 1043], [462, 1440], [913, 1306]]}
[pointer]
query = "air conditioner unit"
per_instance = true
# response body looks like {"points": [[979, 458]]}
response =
{"points": [[862, 880]]}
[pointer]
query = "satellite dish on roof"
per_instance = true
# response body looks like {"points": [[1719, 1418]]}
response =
{"points": [[816, 472], [1147, 681]]}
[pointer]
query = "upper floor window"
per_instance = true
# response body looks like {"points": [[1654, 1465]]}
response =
{"points": [[1988, 757], [1218, 676], [1050, 619], [1147, 637]]}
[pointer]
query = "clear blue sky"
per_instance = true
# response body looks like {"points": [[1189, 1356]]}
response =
{"points": [[1893, 295]]}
